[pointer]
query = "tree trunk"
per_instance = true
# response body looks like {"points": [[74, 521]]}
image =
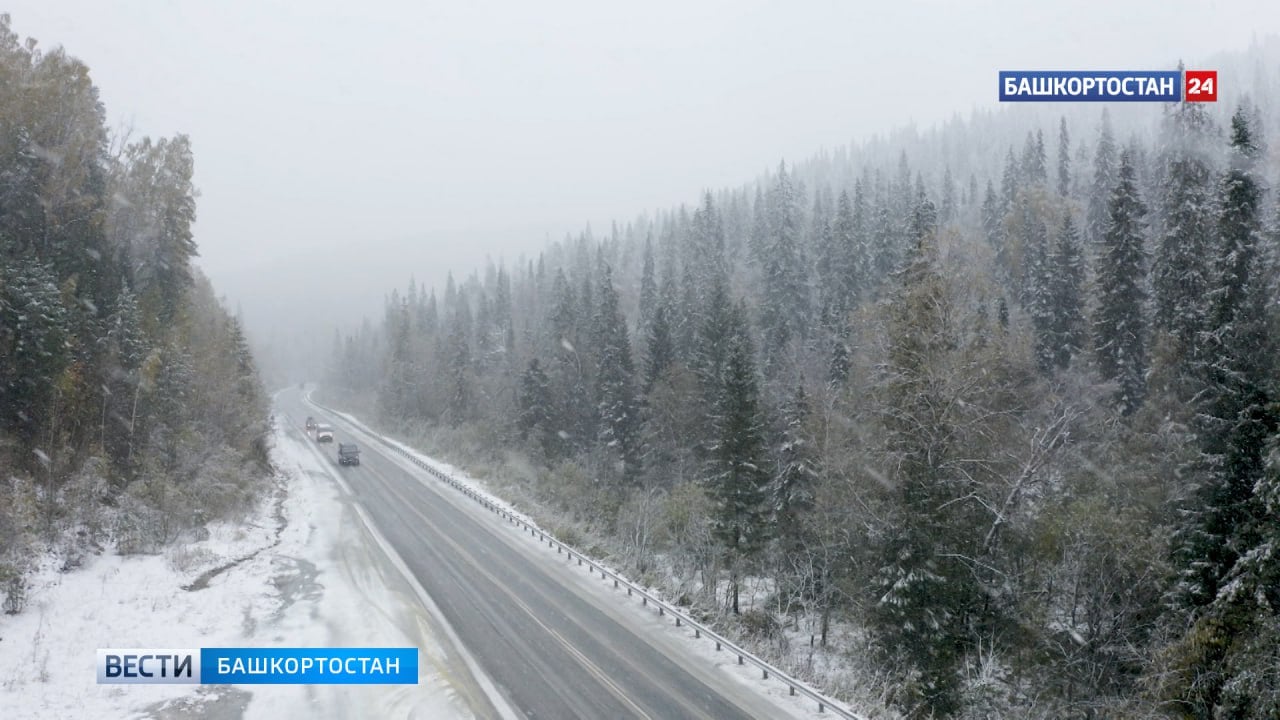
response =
{"points": [[133, 420]]}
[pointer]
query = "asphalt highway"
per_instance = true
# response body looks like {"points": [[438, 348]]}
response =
{"points": [[552, 652]]}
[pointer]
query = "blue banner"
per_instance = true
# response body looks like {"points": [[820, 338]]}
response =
{"points": [[309, 666], [1090, 86]]}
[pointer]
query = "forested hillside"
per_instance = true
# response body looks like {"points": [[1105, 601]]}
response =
{"points": [[130, 409], [1004, 400]]}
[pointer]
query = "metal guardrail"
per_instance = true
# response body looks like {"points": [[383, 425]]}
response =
{"points": [[767, 670]]}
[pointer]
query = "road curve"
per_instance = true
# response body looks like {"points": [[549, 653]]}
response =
{"points": [[552, 653]]}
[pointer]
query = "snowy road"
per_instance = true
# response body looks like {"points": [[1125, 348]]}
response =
{"points": [[552, 649]]}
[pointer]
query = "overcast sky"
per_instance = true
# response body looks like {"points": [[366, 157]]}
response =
{"points": [[343, 146]]}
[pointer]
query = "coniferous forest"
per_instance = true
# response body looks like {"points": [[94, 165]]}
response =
{"points": [[987, 416], [130, 409]]}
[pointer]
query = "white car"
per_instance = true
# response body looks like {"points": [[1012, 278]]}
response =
{"points": [[324, 433]]}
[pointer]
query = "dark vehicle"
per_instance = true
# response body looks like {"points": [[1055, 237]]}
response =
{"points": [[324, 433], [311, 423], [348, 454]]}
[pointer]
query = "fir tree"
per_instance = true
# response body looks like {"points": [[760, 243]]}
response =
{"points": [[924, 592], [1104, 180], [1179, 271], [1009, 182], [786, 307], [948, 210], [661, 352], [648, 288], [1227, 549], [843, 263], [794, 486], [1037, 279], [619, 411], [1034, 168], [993, 221], [1066, 278], [1119, 326], [457, 361], [737, 478], [1064, 159]]}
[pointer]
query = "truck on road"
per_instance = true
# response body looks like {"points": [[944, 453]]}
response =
{"points": [[348, 454]]}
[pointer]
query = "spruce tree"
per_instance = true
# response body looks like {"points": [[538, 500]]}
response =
{"points": [[1226, 548], [536, 408], [948, 210], [661, 350], [1034, 169], [457, 363], [785, 310], [618, 410], [1104, 180], [1009, 182], [993, 220], [1066, 280], [843, 262], [1119, 326], [1037, 280], [648, 288], [794, 487], [1064, 159], [737, 477], [1179, 271], [924, 592]]}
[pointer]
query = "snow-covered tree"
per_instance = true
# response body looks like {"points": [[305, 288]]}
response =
{"points": [[1119, 325], [1066, 281], [1178, 268], [619, 410], [737, 472], [1104, 180], [1064, 159]]}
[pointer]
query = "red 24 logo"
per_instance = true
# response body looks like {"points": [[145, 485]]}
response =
{"points": [[1200, 86]]}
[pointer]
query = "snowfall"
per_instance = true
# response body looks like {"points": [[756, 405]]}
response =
{"points": [[304, 571]]}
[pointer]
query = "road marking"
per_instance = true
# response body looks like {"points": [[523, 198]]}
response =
{"points": [[495, 699], [582, 659], [459, 512]]}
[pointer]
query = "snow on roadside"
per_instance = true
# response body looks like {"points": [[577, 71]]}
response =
{"points": [[317, 581]]}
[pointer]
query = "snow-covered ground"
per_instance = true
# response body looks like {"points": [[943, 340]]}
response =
{"points": [[308, 574]]}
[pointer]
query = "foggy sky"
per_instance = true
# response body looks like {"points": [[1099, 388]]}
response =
{"points": [[342, 147]]}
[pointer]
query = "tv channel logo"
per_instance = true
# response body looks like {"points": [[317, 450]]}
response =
{"points": [[1108, 85], [258, 666], [148, 666]]}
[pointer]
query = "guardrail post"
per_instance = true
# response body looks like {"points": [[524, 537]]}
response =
{"points": [[697, 633], [628, 592], [660, 612], [793, 690], [821, 707], [717, 645], [677, 621], [739, 659], [644, 601], [766, 674]]}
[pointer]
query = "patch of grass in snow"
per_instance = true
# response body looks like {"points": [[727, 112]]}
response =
{"points": [[186, 559]]}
